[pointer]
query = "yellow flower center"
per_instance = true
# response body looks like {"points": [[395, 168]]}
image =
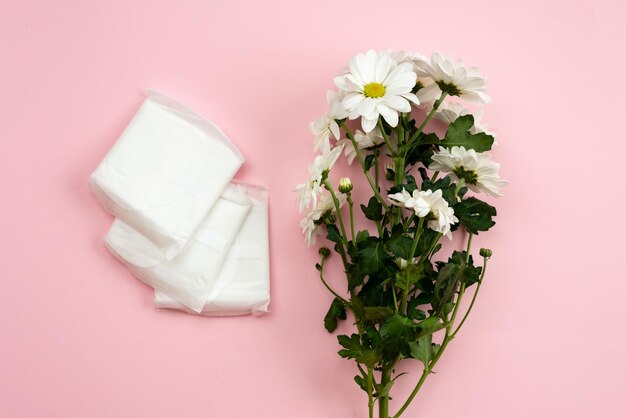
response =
{"points": [[374, 90]]}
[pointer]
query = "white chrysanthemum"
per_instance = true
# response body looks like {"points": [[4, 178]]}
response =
{"points": [[363, 140], [377, 86], [310, 224], [321, 129], [313, 187], [429, 204], [326, 125], [476, 168], [448, 112], [440, 73]]}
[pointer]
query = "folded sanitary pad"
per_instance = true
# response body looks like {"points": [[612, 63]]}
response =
{"points": [[192, 275], [243, 283], [164, 174]]}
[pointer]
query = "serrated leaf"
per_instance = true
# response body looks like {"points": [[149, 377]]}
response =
{"points": [[333, 234], [458, 135], [406, 278], [353, 349], [373, 256], [475, 214], [399, 244], [361, 236], [336, 311], [360, 381], [396, 334], [374, 210], [377, 313], [429, 326], [423, 350]]}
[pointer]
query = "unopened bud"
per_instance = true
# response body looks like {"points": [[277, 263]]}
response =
{"points": [[485, 252], [345, 185], [324, 252]]}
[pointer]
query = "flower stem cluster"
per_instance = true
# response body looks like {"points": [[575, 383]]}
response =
{"points": [[402, 291]]}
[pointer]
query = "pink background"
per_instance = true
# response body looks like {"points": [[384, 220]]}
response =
{"points": [[79, 337]]}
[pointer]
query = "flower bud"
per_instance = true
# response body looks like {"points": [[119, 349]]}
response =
{"points": [[324, 252], [485, 252], [345, 185]]}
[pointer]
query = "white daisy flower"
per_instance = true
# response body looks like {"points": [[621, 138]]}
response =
{"points": [[426, 203], [377, 86], [476, 168], [448, 112], [440, 73], [326, 125], [363, 140], [310, 224], [317, 172], [321, 129]]}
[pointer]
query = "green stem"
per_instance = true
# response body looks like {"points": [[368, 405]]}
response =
{"points": [[350, 205], [469, 309], [444, 344], [408, 221], [428, 117], [370, 397], [383, 401], [385, 137], [434, 177], [329, 187], [362, 162], [330, 289], [418, 234], [459, 187]]}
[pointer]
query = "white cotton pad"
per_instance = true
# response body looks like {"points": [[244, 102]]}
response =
{"points": [[164, 173], [243, 284], [191, 276]]}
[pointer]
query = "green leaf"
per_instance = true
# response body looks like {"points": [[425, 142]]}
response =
{"points": [[374, 210], [400, 244], [373, 256], [361, 236], [429, 326], [377, 313], [396, 334], [333, 234], [424, 350], [360, 381], [369, 161], [405, 279], [413, 312], [458, 135], [337, 311], [352, 348], [475, 214]]}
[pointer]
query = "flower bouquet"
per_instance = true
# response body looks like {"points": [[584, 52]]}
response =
{"points": [[405, 297]]}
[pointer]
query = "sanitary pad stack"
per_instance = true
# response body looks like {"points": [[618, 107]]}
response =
{"points": [[183, 226]]}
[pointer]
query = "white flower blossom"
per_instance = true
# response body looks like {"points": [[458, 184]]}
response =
{"points": [[310, 190], [426, 203], [439, 73], [363, 141], [326, 125], [310, 224], [476, 168], [375, 86]]}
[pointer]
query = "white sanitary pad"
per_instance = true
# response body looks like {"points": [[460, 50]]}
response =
{"points": [[165, 173], [243, 283], [192, 275]]}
